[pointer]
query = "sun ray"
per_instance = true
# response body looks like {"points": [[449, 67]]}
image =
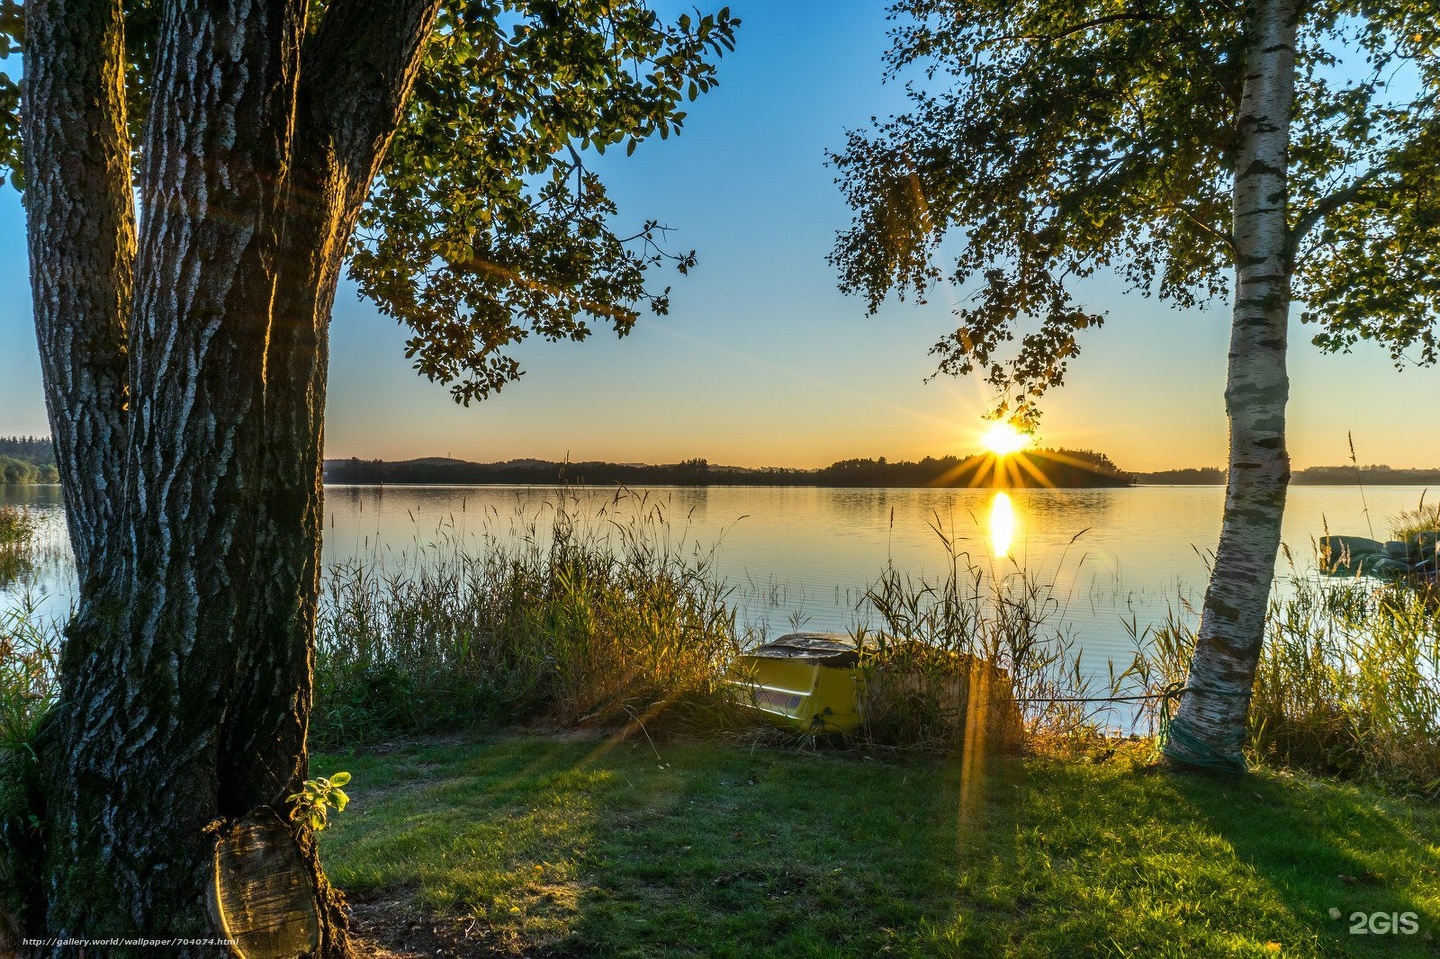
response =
{"points": [[1027, 464]]}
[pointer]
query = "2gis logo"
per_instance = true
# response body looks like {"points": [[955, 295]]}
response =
{"points": [[1384, 923]]}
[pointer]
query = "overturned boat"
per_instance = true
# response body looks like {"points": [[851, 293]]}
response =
{"points": [[805, 680], [828, 683]]}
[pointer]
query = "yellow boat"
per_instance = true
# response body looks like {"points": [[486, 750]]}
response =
{"points": [[804, 680]]}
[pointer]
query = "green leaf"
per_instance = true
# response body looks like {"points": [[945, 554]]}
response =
{"points": [[1054, 150], [484, 228]]}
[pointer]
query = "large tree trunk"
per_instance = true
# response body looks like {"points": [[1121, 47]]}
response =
{"points": [[82, 245], [150, 663], [356, 76], [1209, 729], [191, 443]]}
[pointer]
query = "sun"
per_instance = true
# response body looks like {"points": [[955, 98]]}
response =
{"points": [[1002, 439]]}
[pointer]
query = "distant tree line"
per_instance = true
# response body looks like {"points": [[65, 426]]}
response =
{"points": [[1029, 468], [1375, 475], [27, 459], [530, 472], [1367, 475], [1062, 468], [1204, 476], [1310, 476]]}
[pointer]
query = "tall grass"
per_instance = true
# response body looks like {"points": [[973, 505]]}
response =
{"points": [[17, 529], [986, 645], [612, 617], [29, 650], [599, 618], [1348, 682], [1420, 521], [29, 645], [1420, 530]]}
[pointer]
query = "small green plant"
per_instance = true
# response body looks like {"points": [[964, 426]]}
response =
{"points": [[310, 807]]}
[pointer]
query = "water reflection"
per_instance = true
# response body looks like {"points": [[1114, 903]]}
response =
{"points": [[1002, 525], [37, 574], [808, 554]]}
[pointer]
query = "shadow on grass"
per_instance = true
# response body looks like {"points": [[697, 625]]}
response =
{"points": [[1317, 847], [551, 847]]}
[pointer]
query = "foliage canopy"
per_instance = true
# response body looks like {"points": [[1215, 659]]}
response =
{"points": [[485, 224], [1053, 139]]}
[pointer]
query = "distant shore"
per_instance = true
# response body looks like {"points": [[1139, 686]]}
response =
{"points": [[1030, 469], [30, 460]]}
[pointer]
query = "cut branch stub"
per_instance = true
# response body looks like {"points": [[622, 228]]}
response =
{"points": [[263, 895]]}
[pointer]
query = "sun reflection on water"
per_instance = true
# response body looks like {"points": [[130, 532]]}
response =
{"points": [[1002, 525]]}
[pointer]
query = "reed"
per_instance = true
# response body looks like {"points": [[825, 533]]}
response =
{"points": [[596, 618], [1348, 683], [17, 530], [29, 645], [29, 651], [983, 651], [614, 617], [16, 526], [1422, 520]]}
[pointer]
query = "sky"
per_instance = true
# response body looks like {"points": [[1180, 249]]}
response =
{"points": [[762, 361]]}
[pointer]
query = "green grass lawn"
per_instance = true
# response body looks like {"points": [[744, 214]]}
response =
{"points": [[693, 848]]}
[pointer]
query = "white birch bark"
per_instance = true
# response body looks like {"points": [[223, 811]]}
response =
{"points": [[1209, 729]]}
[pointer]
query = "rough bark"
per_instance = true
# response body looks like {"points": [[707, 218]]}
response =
{"points": [[151, 658], [185, 686], [1209, 727], [81, 228], [349, 107], [357, 74]]}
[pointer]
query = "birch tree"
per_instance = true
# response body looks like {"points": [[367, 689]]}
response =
{"points": [[440, 149], [1268, 151]]}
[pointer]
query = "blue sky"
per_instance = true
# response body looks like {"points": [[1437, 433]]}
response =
{"points": [[762, 361]]}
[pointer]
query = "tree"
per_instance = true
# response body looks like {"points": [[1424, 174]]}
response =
{"points": [[184, 357], [1288, 147]]}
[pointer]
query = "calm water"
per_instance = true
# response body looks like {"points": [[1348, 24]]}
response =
{"points": [[806, 556]]}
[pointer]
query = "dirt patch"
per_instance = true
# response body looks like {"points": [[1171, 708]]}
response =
{"points": [[391, 927]]}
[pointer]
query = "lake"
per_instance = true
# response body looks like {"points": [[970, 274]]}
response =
{"points": [[805, 556]]}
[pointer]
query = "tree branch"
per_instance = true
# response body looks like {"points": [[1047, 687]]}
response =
{"points": [[1140, 16], [1224, 236], [356, 77], [1327, 205]]}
